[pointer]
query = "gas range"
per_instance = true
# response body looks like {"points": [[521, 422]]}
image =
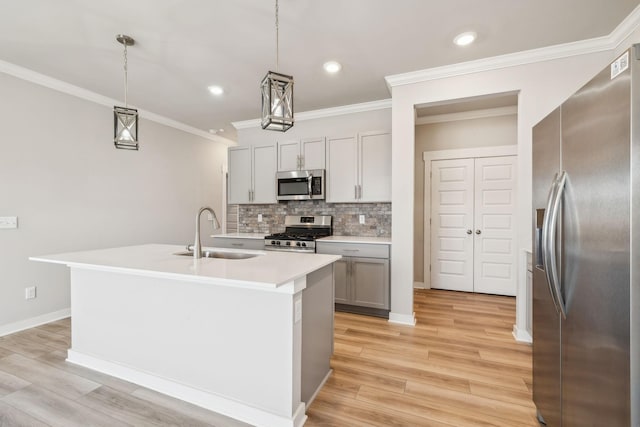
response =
{"points": [[300, 233]]}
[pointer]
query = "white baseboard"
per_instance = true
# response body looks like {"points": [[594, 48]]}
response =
{"points": [[313, 397], [204, 399], [419, 285], [403, 319], [34, 321], [522, 335]]}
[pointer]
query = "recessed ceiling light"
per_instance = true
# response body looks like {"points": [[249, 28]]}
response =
{"points": [[221, 130], [332, 67], [216, 90], [465, 39]]}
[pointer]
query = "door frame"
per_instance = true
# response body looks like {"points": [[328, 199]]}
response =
{"points": [[428, 157]]}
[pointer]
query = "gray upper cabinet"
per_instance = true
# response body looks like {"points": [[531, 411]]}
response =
{"points": [[308, 153], [359, 168], [252, 174]]}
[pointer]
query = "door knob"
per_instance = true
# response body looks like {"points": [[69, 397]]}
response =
{"points": [[478, 232], [469, 231]]}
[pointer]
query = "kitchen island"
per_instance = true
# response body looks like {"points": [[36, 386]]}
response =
{"points": [[248, 338]]}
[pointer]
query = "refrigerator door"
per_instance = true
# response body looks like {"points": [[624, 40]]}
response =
{"points": [[546, 319], [596, 253]]}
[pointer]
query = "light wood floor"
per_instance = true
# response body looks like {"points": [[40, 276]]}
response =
{"points": [[458, 367]]}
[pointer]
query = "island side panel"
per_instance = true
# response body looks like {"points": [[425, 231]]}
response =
{"points": [[317, 331], [242, 344]]}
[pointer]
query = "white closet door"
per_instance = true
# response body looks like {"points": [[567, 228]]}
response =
{"points": [[451, 224], [494, 233]]}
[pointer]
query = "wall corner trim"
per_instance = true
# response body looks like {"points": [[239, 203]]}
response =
{"points": [[323, 113], [521, 336], [32, 322], [403, 319], [69, 89], [583, 47]]}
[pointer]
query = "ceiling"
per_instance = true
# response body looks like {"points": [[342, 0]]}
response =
{"points": [[183, 46]]}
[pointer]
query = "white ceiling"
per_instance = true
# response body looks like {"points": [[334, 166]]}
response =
{"points": [[183, 46]]}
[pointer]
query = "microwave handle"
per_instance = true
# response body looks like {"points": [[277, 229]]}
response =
{"points": [[310, 184]]}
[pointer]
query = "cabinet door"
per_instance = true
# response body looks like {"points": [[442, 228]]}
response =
{"points": [[341, 279], [238, 243], [288, 155], [375, 167], [341, 169], [312, 152], [264, 173], [239, 175], [370, 282]]}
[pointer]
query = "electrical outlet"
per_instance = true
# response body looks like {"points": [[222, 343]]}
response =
{"points": [[259, 217], [30, 292], [361, 219], [8, 222]]}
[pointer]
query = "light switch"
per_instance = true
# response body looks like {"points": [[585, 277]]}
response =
{"points": [[361, 219], [8, 222], [259, 217]]}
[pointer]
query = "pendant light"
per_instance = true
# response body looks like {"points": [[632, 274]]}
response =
{"points": [[277, 95], [125, 120]]}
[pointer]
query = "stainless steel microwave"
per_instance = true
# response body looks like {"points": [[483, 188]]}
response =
{"points": [[300, 185]]}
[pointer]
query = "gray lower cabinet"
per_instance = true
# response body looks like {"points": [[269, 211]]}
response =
{"points": [[361, 277], [238, 243]]}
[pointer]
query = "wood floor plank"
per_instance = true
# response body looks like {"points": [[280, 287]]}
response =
{"points": [[58, 411], [57, 359], [133, 410], [186, 409], [20, 345], [47, 377], [12, 417], [10, 383]]}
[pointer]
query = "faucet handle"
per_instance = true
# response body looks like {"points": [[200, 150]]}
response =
{"points": [[190, 248]]}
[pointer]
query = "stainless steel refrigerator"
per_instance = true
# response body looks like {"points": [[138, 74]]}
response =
{"points": [[586, 280]]}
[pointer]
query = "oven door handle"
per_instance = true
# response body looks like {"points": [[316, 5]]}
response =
{"points": [[310, 185]]}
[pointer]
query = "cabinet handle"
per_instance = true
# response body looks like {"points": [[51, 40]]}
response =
{"points": [[249, 195], [478, 232], [359, 191], [469, 231], [351, 250], [355, 192], [301, 157], [298, 161], [237, 244]]}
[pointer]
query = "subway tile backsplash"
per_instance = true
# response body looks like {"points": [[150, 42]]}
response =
{"points": [[345, 217]]}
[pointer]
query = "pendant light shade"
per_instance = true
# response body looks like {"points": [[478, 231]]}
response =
{"points": [[125, 119], [277, 101], [277, 95]]}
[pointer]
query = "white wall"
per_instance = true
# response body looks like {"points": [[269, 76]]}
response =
{"points": [[72, 190], [459, 134], [542, 86], [346, 124]]}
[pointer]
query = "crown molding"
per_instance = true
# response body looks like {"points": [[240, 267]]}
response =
{"points": [[69, 89], [468, 115], [323, 113], [599, 44]]}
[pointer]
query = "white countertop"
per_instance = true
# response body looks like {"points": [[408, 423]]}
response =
{"points": [[357, 239], [268, 270], [241, 235]]}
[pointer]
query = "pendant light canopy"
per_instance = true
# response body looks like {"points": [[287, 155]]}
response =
{"points": [[125, 120], [277, 95]]}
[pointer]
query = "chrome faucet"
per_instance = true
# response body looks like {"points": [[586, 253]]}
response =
{"points": [[197, 245]]}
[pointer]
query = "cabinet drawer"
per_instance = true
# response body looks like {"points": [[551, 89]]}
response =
{"points": [[363, 250], [238, 243]]}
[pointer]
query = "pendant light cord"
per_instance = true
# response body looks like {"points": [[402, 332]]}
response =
{"points": [[125, 75], [277, 46]]}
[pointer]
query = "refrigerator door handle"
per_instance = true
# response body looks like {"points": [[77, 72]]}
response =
{"points": [[545, 241], [551, 241]]}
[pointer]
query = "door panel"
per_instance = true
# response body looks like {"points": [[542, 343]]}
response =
{"points": [[341, 276], [313, 153], [341, 173], [494, 212], [264, 174], [239, 184], [288, 153], [451, 217], [370, 282], [375, 167]]}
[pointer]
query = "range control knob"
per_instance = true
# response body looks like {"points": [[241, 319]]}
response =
{"points": [[297, 243], [273, 242], [303, 244], [288, 243], [278, 243]]}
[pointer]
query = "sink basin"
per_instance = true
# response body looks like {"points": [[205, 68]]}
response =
{"points": [[219, 254]]}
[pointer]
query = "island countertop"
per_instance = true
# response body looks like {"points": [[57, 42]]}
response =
{"points": [[267, 270]]}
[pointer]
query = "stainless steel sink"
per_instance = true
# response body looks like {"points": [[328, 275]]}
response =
{"points": [[219, 254]]}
